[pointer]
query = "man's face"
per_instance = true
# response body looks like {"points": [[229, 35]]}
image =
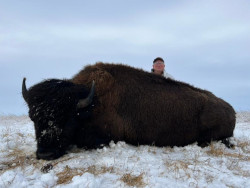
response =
{"points": [[159, 65]]}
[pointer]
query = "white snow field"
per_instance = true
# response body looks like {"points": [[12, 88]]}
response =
{"points": [[123, 165]]}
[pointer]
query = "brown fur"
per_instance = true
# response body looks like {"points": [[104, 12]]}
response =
{"points": [[143, 108]]}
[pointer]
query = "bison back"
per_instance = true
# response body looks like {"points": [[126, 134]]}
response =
{"points": [[141, 107]]}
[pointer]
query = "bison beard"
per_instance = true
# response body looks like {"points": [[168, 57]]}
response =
{"points": [[121, 105]]}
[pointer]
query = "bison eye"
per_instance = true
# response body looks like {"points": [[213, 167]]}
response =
{"points": [[50, 123]]}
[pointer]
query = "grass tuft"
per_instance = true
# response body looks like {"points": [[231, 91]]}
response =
{"points": [[218, 151], [67, 174], [17, 158], [131, 180], [179, 168]]}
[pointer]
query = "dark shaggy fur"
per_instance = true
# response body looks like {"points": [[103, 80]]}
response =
{"points": [[130, 105]]}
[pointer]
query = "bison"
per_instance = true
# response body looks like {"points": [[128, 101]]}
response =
{"points": [[105, 102]]}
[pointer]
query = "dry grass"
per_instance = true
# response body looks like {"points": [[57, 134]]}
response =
{"points": [[68, 173], [131, 180], [152, 150], [244, 145], [17, 158], [234, 159], [216, 151], [178, 167], [236, 168], [66, 176], [13, 156], [101, 170]]}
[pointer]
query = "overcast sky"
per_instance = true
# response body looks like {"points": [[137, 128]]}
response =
{"points": [[205, 42]]}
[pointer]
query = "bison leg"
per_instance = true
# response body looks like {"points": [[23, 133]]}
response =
{"points": [[215, 133], [226, 141], [217, 122], [205, 138]]}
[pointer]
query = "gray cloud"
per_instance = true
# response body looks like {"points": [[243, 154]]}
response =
{"points": [[204, 43]]}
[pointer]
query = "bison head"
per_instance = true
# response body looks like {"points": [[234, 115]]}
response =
{"points": [[55, 107]]}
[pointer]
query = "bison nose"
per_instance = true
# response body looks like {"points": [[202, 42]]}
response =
{"points": [[45, 155], [48, 154]]}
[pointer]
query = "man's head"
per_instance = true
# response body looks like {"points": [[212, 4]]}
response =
{"points": [[158, 65]]}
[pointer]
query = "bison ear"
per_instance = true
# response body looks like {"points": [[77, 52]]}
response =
{"points": [[87, 101], [24, 90]]}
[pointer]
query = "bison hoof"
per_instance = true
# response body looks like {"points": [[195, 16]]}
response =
{"points": [[227, 143]]}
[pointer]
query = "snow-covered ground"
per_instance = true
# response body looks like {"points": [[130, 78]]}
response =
{"points": [[123, 165]]}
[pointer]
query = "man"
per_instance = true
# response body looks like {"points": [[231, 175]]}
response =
{"points": [[159, 68]]}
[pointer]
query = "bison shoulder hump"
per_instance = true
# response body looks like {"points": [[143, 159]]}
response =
{"points": [[103, 79]]}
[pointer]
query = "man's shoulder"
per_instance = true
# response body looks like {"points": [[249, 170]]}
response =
{"points": [[167, 75]]}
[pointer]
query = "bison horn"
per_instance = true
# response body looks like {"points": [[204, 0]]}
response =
{"points": [[87, 101], [24, 90]]}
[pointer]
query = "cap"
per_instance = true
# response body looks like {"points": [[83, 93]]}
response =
{"points": [[158, 58]]}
